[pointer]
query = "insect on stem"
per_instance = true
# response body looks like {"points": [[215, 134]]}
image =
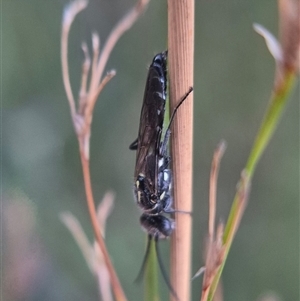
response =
{"points": [[152, 175]]}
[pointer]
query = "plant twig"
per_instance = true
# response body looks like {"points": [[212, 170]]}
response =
{"points": [[213, 188], [84, 77], [123, 25], [181, 70], [214, 248], [234, 219], [91, 252], [70, 12], [118, 291], [286, 54], [82, 118]]}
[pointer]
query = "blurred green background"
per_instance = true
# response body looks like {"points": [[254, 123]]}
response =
{"points": [[42, 173]]}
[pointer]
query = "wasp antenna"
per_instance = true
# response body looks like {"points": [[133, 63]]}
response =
{"points": [[142, 270], [179, 104], [168, 131], [163, 271]]}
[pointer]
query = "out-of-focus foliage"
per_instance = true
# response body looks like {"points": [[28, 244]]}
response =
{"points": [[233, 79]]}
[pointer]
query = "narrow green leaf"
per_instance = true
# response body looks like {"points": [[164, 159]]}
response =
{"points": [[271, 119], [268, 126], [151, 276]]}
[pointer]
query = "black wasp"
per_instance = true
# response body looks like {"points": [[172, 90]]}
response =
{"points": [[152, 176]]}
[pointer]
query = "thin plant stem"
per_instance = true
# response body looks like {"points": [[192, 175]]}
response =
{"points": [[180, 65], [118, 291], [286, 55], [82, 118], [123, 25], [70, 13], [213, 189], [265, 133], [214, 249], [151, 283], [269, 124]]}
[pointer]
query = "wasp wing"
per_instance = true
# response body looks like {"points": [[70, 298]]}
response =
{"points": [[151, 122]]}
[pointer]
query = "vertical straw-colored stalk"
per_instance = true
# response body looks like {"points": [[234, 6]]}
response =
{"points": [[181, 70]]}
